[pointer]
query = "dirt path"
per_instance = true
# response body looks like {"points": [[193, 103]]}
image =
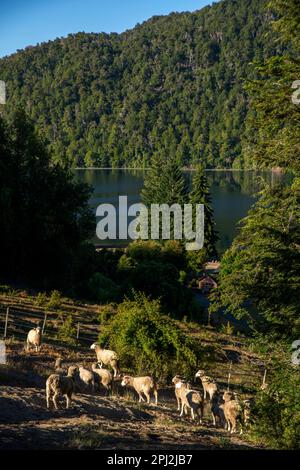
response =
{"points": [[100, 423]]}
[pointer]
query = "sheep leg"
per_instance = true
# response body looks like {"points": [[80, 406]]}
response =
{"points": [[141, 398], [178, 404], [214, 419], [233, 425], [192, 414], [156, 396], [54, 399], [48, 398], [68, 397], [147, 395], [200, 415], [204, 391], [182, 408]]}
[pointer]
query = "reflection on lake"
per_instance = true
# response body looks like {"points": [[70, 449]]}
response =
{"points": [[232, 193]]}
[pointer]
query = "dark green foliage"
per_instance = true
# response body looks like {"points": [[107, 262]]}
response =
{"points": [[45, 218], [200, 194], [273, 127], [67, 330], [287, 22], [164, 182], [101, 289], [276, 414], [171, 85], [156, 269], [260, 273], [147, 341]]}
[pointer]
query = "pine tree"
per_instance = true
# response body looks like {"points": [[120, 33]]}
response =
{"points": [[260, 273], [200, 195], [273, 123], [151, 192], [164, 182]]}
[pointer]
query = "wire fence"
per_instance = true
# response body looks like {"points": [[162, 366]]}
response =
{"points": [[16, 323]]}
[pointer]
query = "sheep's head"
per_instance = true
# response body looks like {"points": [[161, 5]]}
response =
{"points": [[95, 365], [228, 396], [126, 380], [72, 371], [200, 373], [58, 362], [177, 379], [38, 329], [93, 346]]}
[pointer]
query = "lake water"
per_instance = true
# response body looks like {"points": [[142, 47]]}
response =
{"points": [[232, 194]]}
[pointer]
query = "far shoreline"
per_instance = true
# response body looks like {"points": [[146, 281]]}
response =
{"points": [[91, 168]]}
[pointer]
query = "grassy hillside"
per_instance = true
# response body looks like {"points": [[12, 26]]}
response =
{"points": [[98, 422]]}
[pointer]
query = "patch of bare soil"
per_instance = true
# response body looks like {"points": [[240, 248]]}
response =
{"points": [[94, 421], [100, 422]]}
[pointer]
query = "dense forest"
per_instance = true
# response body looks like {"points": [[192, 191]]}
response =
{"points": [[172, 85]]}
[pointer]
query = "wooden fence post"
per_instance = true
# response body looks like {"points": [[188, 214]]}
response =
{"points": [[44, 323], [6, 323], [229, 377], [264, 379]]}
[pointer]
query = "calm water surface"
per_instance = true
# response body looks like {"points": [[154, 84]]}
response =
{"points": [[232, 194]]}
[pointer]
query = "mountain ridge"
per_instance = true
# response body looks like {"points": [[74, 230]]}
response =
{"points": [[173, 85]]}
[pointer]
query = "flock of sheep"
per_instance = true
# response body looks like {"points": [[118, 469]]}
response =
{"points": [[226, 409]]}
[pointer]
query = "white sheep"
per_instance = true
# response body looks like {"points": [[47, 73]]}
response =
{"points": [[103, 376], [34, 338], [181, 388], [209, 385], [86, 378], [107, 357], [142, 385], [57, 384]]}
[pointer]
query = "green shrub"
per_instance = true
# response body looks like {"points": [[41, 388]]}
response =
{"points": [[227, 329], [55, 300], [4, 289], [277, 409], [67, 330], [41, 299], [102, 289], [106, 313], [147, 341]]}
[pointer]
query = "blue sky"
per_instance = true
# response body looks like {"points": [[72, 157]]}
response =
{"points": [[27, 22]]}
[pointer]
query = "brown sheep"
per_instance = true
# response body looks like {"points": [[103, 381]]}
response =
{"points": [[142, 385], [193, 400], [58, 367], [233, 412], [103, 376], [107, 357], [61, 385], [217, 411]]}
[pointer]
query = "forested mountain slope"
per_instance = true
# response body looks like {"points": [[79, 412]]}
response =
{"points": [[173, 84]]}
